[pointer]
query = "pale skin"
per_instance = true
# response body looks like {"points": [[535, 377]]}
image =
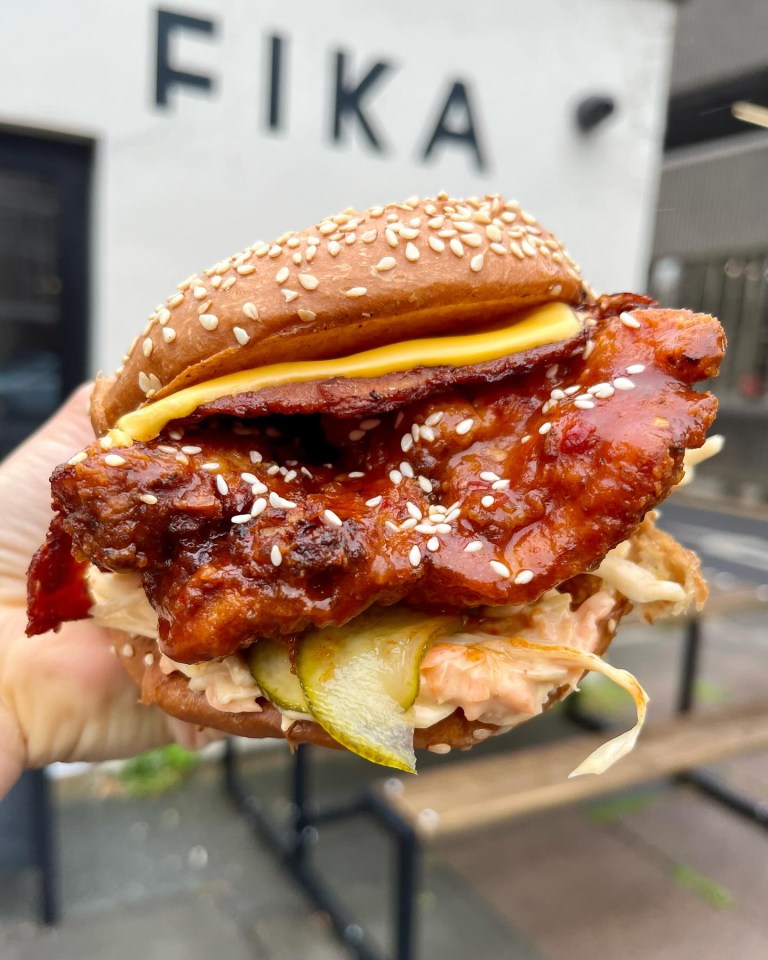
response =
{"points": [[63, 696]]}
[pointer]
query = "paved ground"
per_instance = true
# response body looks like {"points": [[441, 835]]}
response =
{"points": [[657, 873]]}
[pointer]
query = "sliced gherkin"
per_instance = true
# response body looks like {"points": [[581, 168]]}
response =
{"points": [[360, 679], [270, 665]]}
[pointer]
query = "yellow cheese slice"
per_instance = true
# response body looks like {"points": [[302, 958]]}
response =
{"points": [[551, 323]]}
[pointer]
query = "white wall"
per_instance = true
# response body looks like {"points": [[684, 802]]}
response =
{"points": [[178, 188]]}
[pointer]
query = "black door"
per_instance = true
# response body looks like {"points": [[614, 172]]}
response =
{"points": [[44, 277]]}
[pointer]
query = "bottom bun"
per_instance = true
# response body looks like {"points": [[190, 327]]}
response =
{"points": [[171, 692]]}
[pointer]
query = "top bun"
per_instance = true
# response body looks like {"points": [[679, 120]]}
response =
{"points": [[354, 281]]}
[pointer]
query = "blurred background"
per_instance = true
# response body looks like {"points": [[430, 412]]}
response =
{"points": [[140, 142]]}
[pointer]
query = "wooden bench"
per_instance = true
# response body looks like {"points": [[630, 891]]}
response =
{"points": [[478, 793]]}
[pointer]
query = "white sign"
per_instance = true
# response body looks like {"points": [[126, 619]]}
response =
{"points": [[222, 122]]}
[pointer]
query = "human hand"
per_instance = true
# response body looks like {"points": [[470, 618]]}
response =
{"points": [[63, 696]]}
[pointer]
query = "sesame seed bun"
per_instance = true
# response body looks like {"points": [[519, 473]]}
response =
{"points": [[352, 282]]}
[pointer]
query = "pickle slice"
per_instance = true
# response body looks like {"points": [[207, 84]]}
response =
{"points": [[270, 665], [360, 679]]}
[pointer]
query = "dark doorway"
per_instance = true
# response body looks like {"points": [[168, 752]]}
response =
{"points": [[44, 277]]}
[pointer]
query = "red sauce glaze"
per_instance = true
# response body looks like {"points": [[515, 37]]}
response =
{"points": [[546, 478]]}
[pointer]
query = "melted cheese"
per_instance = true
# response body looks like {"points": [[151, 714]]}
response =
{"points": [[551, 323]]}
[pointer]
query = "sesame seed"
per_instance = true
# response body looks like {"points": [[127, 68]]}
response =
{"points": [[356, 292], [514, 246], [628, 320], [259, 506], [374, 501], [126, 650], [199, 293], [494, 233], [473, 547], [499, 248], [280, 503], [271, 471], [275, 250], [307, 315], [78, 458], [355, 435], [433, 544], [426, 527], [356, 474], [145, 384], [414, 557], [443, 528], [249, 477], [308, 281], [584, 404], [407, 470], [452, 514], [472, 239], [406, 442], [258, 488], [487, 500], [175, 300], [465, 426], [602, 391], [500, 485], [229, 282], [545, 428], [425, 484], [396, 477], [434, 418], [574, 388], [148, 659], [169, 334], [489, 476], [636, 368], [622, 383], [369, 236], [208, 321], [414, 511], [411, 252], [191, 450], [457, 247], [245, 269], [436, 244], [391, 237], [390, 525], [164, 448], [409, 524], [501, 568], [242, 336], [240, 518], [408, 233], [250, 310], [524, 576], [415, 432], [255, 456], [148, 498], [147, 346], [332, 518], [106, 442], [222, 485], [476, 263], [113, 460], [290, 295], [275, 556], [370, 424], [386, 263], [211, 465], [282, 274]]}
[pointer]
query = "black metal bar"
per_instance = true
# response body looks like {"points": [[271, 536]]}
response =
{"points": [[44, 840], [406, 874], [291, 846], [713, 787], [690, 666]]}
